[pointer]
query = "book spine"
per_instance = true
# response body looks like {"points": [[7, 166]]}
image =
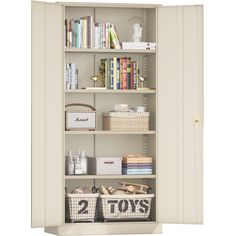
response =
{"points": [[114, 37], [88, 32], [103, 35], [77, 35], [109, 38], [65, 34], [68, 33], [118, 73], [84, 23], [91, 32], [100, 35], [128, 72], [96, 35], [111, 74], [121, 73], [73, 34], [80, 34], [106, 77], [124, 73], [76, 79], [70, 76], [132, 75], [108, 74], [135, 74], [114, 73], [67, 81], [70, 37], [73, 82], [103, 69]]}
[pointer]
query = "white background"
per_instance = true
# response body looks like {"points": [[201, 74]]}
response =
{"points": [[219, 126]]}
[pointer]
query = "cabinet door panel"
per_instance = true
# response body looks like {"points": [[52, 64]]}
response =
{"points": [[47, 114], [179, 104]]}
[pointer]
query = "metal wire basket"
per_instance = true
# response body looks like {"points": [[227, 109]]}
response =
{"points": [[124, 207], [80, 207]]}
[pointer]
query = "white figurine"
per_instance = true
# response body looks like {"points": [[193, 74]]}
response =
{"points": [[137, 33]]}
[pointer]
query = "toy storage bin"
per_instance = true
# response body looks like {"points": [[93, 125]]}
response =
{"points": [[124, 207], [126, 121], [80, 207]]}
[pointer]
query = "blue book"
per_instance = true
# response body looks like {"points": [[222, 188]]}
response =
{"points": [[111, 73], [118, 73]]}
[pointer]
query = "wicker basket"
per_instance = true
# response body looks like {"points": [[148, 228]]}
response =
{"points": [[80, 207], [124, 207], [131, 121]]}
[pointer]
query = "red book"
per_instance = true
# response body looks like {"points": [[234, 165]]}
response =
{"points": [[124, 82], [121, 73]]}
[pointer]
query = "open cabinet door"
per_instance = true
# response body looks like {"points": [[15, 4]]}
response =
{"points": [[180, 114], [47, 114]]}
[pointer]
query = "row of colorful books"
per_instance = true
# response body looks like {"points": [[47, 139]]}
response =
{"points": [[135, 165], [84, 33], [71, 76], [119, 73]]}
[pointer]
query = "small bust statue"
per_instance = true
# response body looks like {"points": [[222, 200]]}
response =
{"points": [[137, 32]]}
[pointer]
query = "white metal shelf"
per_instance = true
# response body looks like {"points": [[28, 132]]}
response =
{"points": [[95, 50], [109, 132], [111, 91], [71, 177]]}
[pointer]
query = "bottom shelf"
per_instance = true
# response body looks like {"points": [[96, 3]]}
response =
{"points": [[148, 221], [106, 228]]}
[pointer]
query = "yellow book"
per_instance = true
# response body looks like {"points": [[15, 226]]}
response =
{"points": [[84, 23]]}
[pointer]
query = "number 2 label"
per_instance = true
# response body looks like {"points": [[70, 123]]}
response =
{"points": [[84, 209]]}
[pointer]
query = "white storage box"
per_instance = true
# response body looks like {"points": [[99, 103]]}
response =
{"points": [[105, 165], [80, 120]]}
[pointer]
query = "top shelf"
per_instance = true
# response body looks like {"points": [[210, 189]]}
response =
{"points": [[110, 5], [95, 50]]}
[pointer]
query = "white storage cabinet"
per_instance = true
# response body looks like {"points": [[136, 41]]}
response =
{"points": [[175, 72]]}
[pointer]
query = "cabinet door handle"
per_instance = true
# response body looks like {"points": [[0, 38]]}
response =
{"points": [[196, 119]]}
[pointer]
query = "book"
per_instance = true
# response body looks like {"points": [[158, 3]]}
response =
{"points": [[118, 73], [111, 74], [136, 75], [124, 77], [114, 39], [84, 25], [114, 73], [128, 72], [71, 76], [84, 33]]}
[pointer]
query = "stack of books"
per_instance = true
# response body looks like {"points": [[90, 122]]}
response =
{"points": [[84, 33], [136, 164], [71, 76], [139, 45], [119, 73]]}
